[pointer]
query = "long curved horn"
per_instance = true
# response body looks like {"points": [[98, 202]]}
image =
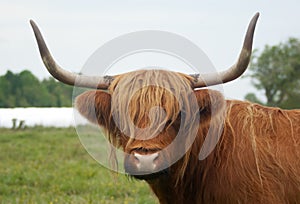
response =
{"points": [[65, 76], [234, 71]]}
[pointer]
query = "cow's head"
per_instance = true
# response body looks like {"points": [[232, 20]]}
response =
{"points": [[151, 114]]}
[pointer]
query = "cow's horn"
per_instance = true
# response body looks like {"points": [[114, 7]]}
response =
{"points": [[236, 70], [65, 76]]}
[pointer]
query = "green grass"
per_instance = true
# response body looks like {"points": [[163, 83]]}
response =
{"points": [[49, 165]]}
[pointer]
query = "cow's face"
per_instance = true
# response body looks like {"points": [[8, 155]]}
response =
{"points": [[145, 121]]}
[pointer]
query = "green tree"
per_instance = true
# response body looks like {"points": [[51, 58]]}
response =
{"points": [[276, 72], [25, 90], [7, 90], [61, 93]]}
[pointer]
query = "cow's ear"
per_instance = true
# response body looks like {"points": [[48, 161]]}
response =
{"points": [[211, 103], [95, 106]]}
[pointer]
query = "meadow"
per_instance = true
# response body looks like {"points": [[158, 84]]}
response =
{"points": [[49, 165]]}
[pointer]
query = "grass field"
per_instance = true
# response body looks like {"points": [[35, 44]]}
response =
{"points": [[49, 165]]}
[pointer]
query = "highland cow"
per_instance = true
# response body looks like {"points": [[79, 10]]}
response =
{"points": [[155, 115]]}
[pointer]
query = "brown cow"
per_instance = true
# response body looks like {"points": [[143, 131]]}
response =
{"points": [[256, 155]]}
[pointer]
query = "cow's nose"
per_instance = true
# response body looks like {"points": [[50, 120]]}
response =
{"points": [[146, 163], [143, 164]]}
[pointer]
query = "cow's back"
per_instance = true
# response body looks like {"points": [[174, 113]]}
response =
{"points": [[260, 149]]}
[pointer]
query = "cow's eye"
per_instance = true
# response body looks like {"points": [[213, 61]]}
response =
{"points": [[168, 123]]}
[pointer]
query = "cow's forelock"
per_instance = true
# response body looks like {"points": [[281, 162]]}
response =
{"points": [[148, 100]]}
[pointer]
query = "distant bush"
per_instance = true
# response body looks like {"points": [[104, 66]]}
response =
{"points": [[26, 90]]}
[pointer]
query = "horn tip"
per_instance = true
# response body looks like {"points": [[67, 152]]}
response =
{"points": [[31, 21], [33, 24]]}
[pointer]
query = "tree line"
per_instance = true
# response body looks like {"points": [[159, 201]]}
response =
{"points": [[26, 90]]}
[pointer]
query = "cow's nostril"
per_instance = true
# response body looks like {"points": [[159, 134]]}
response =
{"points": [[155, 160], [136, 159]]}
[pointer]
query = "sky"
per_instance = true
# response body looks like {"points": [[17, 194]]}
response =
{"points": [[75, 29]]}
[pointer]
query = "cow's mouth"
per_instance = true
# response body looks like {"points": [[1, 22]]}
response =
{"points": [[150, 176]]}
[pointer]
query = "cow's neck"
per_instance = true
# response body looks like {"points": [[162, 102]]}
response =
{"points": [[164, 189], [169, 189], [197, 180]]}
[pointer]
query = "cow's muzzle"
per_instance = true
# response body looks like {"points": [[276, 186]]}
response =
{"points": [[145, 166]]}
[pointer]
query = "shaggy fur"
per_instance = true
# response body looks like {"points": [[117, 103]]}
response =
{"points": [[256, 159]]}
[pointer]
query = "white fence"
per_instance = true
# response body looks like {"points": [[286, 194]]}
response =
{"points": [[55, 117]]}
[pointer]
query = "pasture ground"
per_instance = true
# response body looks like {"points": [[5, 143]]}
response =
{"points": [[49, 165]]}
